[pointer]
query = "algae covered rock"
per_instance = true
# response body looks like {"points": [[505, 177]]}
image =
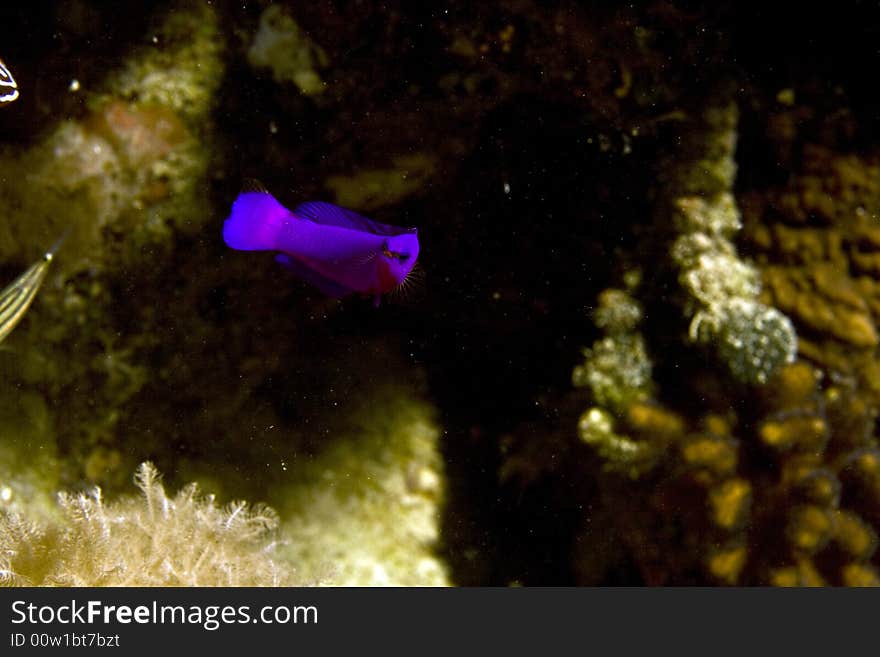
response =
{"points": [[366, 510], [281, 46]]}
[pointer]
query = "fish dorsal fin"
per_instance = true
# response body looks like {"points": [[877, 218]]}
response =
{"points": [[253, 185], [328, 214]]}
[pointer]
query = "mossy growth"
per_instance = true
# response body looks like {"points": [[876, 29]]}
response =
{"points": [[365, 510], [752, 339], [151, 540]]}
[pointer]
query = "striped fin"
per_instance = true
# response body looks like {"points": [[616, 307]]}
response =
{"points": [[328, 214], [8, 86], [17, 297]]}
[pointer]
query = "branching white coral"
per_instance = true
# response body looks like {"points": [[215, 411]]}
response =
{"points": [[153, 540]]}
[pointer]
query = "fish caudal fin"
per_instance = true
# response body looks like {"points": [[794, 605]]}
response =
{"points": [[255, 223]]}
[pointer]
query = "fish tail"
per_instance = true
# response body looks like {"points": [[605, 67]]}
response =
{"points": [[255, 223]]}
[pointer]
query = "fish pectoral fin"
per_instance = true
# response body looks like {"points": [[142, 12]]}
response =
{"points": [[301, 270]]}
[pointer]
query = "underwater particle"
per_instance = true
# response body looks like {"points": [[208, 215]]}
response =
{"points": [[281, 46], [74, 86]]}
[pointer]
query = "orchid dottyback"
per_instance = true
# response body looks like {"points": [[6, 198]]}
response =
{"points": [[334, 249]]}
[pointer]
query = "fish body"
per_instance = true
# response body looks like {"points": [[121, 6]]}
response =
{"points": [[16, 298], [334, 249], [8, 85]]}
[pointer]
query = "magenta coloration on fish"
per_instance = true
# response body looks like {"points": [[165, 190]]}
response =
{"points": [[334, 249]]}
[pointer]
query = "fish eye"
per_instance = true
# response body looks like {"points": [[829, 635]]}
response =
{"points": [[403, 257]]}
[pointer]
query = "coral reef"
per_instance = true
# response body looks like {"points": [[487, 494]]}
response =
{"points": [[817, 238], [785, 498], [154, 540], [126, 179], [617, 371], [751, 338], [775, 483], [714, 198]]}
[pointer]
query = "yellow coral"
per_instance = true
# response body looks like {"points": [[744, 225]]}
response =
{"points": [[727, 563], [730, 503]]}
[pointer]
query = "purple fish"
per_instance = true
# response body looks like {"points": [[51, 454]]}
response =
{"points": [[336, 250]]}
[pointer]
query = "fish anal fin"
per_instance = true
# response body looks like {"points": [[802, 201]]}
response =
{"points": [[303, 271]]}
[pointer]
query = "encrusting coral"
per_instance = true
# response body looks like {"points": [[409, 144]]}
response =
{"points": [[125, 179], [617, 371], [773, 483], [153, 540], [365, 511], [818, 240], [751, 338]]}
